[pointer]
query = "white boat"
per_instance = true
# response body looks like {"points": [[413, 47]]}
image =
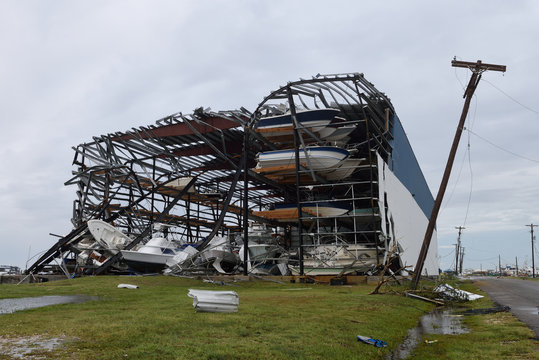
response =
{"points": [[331, 133], [316, 118], [319, 209], [152, 256], [345, 169], [319, 157], [108, 236]]}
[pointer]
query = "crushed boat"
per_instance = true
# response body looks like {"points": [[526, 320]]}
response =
{"points": [[338, 259]]}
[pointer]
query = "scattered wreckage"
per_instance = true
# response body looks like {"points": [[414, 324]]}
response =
{"points": [[163, 253]]}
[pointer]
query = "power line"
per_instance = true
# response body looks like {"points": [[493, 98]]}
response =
{"points": [[512, 98], [471, 181], [446, 255], [456, 182], [501, 148]]}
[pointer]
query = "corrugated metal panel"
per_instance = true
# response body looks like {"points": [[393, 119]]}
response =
{"points": [[214, 301]]}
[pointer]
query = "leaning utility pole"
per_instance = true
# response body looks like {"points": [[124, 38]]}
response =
{"points": [[477, 69], [461, 259], [460, 228], [533, 249]]}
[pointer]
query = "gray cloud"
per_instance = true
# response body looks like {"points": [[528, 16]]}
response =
{"points": [[72, 70]]}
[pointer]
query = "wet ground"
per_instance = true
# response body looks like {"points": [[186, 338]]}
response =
{"points": [[8, 306], [28, 347], [437, 322], [522, 296], [33, 347]]}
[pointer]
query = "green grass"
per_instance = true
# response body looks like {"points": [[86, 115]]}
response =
{"points": [[274, 321], [157, 321]]}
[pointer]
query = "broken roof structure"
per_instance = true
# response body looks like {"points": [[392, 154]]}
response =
{"points": [[341, 186]]}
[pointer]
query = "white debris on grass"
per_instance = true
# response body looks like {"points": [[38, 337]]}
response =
{"points": [[214, 301], [127, 286], [456, 294]]}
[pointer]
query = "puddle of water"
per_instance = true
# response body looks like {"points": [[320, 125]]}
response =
{"points": [[8, 306], [527, 309], [437, 322], [23, 347], [442, 322]]}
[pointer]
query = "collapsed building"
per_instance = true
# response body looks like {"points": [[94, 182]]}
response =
{"points": [[319, 179]]}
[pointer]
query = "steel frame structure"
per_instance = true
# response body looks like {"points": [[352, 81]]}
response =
{"points": [[124, 177]]}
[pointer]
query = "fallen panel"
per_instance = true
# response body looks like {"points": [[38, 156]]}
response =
{"points": [[214, 301]]}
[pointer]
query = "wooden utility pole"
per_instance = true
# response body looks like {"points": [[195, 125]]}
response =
{"points": [[516, 265], [461, 259], [533, 249], [460, 228], [457, 259], [500, 265], [477, 69]]}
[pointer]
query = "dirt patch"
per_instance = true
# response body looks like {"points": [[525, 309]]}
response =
{"points": [[498, 319]]}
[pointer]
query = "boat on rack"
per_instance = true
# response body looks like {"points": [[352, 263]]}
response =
{"points": [[320, 208], [289, 212], [315, 157], [343, 171], [316, 118], [333, 133], [287, 174]]}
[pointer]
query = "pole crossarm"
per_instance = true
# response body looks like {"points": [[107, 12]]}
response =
{"points": [[478, 66]]}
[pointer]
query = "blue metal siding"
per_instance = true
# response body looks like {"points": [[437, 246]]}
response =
{"points": [[404, 165]]}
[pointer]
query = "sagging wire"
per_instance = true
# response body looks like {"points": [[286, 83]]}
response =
{"points": [[456, 183], [446, 255], [501, 148], [468, 149], [471, 181], [512, 98]]}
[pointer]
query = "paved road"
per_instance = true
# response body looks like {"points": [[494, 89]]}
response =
{"points": [[521, 295]]}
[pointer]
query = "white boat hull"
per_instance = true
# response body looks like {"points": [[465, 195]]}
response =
{"points": [[107, 235], [319, 158], [347, 167], [145, 262]]}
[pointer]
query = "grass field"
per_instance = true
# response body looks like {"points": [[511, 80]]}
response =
{"points": [[274, 321]]}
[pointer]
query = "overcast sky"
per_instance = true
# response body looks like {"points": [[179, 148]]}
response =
{"points": [[70, 70]]}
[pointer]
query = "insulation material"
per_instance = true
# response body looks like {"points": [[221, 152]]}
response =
{"points": [[408, 221]]}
